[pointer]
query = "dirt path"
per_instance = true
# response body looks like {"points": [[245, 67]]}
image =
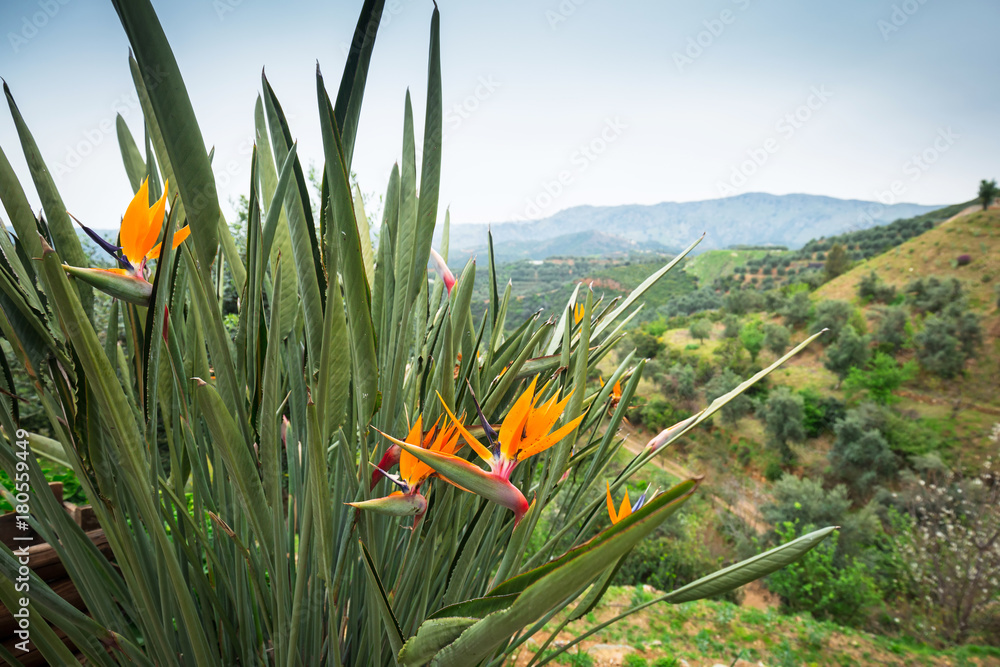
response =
{"points": [[743, 508]]}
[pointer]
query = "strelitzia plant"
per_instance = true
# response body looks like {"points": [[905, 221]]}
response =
{"points": [[412, 471], [140, 228], [226, 465], [525, 432]]}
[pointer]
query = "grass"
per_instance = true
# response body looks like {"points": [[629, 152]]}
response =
{"points": [[713, 264], [708, 632]]}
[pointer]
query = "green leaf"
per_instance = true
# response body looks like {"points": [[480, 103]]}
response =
{"points": [[135, 165], [389, 622], [188, 166], [60, 226], [352, 83], [559, 579], [432, 636], [748, 570], [346, 243]]}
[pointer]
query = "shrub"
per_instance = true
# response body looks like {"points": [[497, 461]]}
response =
{"points": [[880, 378], [783, 421], [860, 454], [796, 310], [893, 330], [819, 413], [871, 288], [646, 345], [776, 338], [933, 294], [848, 351], [963, 260], [700, 329], [804, 502], [722, 384], [952, 548], [841, 592], [945, 343], [752, 337], [731, 326], [833, 315], [837, 261]]}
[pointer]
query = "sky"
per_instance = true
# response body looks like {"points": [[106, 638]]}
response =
{"points": [[549, 104]]}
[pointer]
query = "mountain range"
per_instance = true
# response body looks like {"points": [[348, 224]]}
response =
{"points": [[747, 219]]}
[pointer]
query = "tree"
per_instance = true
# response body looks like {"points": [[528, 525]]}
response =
{"points": [[850, 350], [946, 343], [837, 261], [987, 192], [952, 548], [681, 379], [742, 301], [796, 310], [722, 384], [833, 315], [783, 421], [807, 503], [844, 592], [872, 288], [880, 378], [776, 338], [752, 337], [860, 454], [646, 345], [700, 329], [893, 329], [731, 326]]}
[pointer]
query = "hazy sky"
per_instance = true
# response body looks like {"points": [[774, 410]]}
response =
{"points": [[548, 104]]}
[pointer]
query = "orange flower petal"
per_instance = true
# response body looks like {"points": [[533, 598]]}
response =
{"points": [[154, 223], [179, 237], [483, 452], [135, 223], [513, 423]]}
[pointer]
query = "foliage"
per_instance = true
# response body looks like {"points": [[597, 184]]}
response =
{"points": [[731, 326], [805, 502], [224, 467], [848, 351], [987, 192], [819, 413], [952, 551], [893, 330], [701, 299], [783, 421], [933, 294], [872, 288], [675, 556], [860, 455], [837, 261], [752, 337], [843, 592], [832, 315], [776, 338], [742, 301], [722, 384], [879, 378], [647, 346], [947, 341], [797, 310], [700, 329], [681, 380]]}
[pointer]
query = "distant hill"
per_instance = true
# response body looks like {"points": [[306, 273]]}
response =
{"points": [[753, 218]]}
